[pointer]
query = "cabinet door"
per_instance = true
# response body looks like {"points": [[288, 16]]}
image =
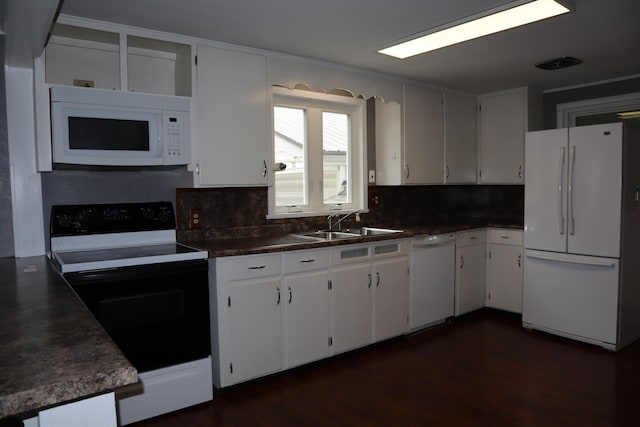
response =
{"points": [[388, 143], [504, 277], [470, 278], [423, 136], [391, 298], [256, 329], [460, 138], [306, 299], [98, 411], [351, 298], [502, 129], [232, 118]]}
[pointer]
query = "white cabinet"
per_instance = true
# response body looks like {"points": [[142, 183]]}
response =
{"points": [[470, 271], [306, 306], [351, 281], [370, 286], [388, 141], [423, 129], [460, 138], [98, 411], [276, 311], [391, 297], [255, 323], [504, 269], [246, 331], [110, 58], [233, 135], [504, 118], [440, 138], [351, 291]]}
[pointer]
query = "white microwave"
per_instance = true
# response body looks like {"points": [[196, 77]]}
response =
{"points": [[98, 127]]}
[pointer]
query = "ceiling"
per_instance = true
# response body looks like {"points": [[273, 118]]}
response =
{"points": [[603, 33]]}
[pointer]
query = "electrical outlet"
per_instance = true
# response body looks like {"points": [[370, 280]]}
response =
{"points": [[374, 199], [372, 176], [195, 218]]}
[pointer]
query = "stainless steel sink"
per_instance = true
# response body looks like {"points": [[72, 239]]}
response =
{"points": [[371, 231], [330, 235], [348, 233]]}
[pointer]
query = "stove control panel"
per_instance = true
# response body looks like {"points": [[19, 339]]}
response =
{"points": [[72, 220]]}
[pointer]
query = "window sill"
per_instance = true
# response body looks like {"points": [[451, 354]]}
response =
{"points": [[283, 215]]}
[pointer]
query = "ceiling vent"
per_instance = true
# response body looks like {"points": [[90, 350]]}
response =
{"points": [[557, 63]]}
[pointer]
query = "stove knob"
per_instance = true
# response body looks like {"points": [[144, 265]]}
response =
{"points": [[164, 215], [64, 220], [147, 213]]}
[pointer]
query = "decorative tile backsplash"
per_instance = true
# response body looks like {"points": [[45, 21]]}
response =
{"points": [[241, 212]]}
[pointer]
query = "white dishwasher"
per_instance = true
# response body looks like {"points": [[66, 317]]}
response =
{"points": [[432, 279]]}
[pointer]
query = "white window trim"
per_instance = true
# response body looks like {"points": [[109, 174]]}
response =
{"points": [[358, 155], [568, 112]]}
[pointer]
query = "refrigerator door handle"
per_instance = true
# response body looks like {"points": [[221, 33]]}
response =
{"points": [[572, 219], [605, 264], [561, 190]]}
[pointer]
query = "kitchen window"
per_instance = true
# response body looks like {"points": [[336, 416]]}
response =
{"points": [[320, 138]]}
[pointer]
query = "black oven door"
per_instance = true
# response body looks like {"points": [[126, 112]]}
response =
{"points": [[157, 314]]}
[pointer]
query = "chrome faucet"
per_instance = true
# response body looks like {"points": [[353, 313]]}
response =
{"points": [[340, 219]]}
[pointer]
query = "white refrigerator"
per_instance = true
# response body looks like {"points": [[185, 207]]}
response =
{"points": [[582, 232]]}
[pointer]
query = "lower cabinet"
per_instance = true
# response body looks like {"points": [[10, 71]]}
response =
{"points": [[352, 306], [470, 271], [98, 411], [505, 270], [306, 317], [277, 311], [255, 334], [391, 298]]}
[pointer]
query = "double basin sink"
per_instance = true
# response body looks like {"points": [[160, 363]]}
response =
{"points": [[348, 233]]}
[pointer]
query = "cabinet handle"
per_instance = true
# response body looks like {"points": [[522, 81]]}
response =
{"points": [[408, 171], [447, 172], [473, 238], [461, 261], [369, 281], [278, 293], [307, 260], [377, 279], [520, 172], [290, 295], [505, 237], [257, 267], [264, 168], [519, 260]]}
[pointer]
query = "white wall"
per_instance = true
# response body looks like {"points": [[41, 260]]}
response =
{"points": [[26, 190]]}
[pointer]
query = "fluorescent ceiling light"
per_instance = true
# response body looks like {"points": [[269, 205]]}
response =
{"points": [[508, 16], [629, 115]]}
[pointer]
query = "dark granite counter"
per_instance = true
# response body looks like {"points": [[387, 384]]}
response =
{"points": [[290, 242], [52, 349]]}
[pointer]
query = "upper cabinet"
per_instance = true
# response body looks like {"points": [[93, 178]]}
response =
{"points": [[504, 118], [460, 138], [423, 136], [232, 118], [78, 56], [439, 144]]}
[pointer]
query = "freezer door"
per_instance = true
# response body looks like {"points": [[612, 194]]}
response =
{"points": [[571, 295], [545, 190], [595, 189]]}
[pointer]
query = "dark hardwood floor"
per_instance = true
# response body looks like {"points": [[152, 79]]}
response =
{"points": [[482, 369]]}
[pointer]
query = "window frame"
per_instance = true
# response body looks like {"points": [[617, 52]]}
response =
{"points": [[357, 156]]}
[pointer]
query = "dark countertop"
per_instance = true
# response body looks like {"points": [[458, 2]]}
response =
{"points": [[52, 349], [288, 242]]}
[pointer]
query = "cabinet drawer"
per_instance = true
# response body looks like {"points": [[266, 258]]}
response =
{"points": [[471, 237], [298, 261], [248, 267], [505, 237]]}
